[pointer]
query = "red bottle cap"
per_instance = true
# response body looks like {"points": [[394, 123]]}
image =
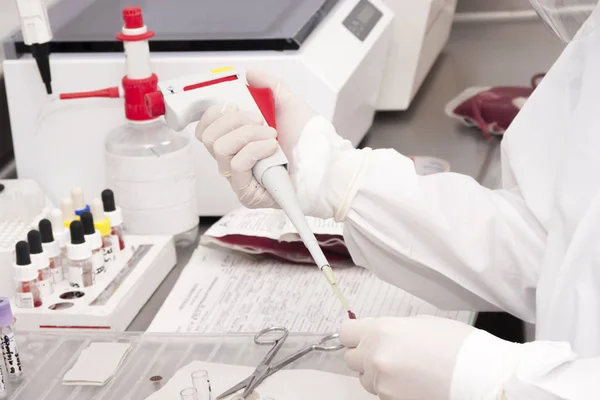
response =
{"points": [[135, 91], [133, 17]]}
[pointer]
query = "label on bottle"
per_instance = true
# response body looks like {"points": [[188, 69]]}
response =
{"points": [[108, 252], [12, 361], [98, 262], [76, 277], [57, 275], [24, 300], [46, 287], [116, 246], [56, 268]]}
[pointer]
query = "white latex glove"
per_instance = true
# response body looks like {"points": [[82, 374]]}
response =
{"points": [[322, 165], [405, 358]]}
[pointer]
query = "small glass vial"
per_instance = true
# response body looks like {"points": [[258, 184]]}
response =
{"points": [[79, 252], [62, 236], [10, 351], [52, 250], [92, 236], [202, 384], [115, 216], [189, 394], [41, 262], [102, 224], [26, 278]]}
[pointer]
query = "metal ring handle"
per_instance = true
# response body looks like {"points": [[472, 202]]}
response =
{"points": [[323, 344], [284, 333]]}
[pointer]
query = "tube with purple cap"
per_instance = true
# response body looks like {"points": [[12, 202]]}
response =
{"points": [[10, 352]]}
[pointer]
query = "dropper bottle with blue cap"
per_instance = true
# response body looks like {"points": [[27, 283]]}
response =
{"points": [[79, 201]]}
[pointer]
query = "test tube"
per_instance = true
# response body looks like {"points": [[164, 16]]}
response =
{"points": [[8, 343], [3, 390], [201, 383], [189, 394]]}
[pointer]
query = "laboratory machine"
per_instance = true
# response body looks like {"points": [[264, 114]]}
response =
{"points": [[346, 58]]}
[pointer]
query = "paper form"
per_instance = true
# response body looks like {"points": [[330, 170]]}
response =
{"points": [[262, 223], [317, 226], [223, 292], [268, 223]]}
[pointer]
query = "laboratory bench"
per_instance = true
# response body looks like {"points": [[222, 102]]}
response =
{"points": [[478, 54]]}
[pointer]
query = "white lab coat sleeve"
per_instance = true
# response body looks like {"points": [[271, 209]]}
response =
{"points": [[490, 368], [444, 237]]}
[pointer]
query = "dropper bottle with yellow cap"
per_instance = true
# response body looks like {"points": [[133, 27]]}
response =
{"points": [[102, 224]]}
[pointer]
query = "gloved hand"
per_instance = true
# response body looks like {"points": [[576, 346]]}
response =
{"points": [[405, 358], [322, 165]]}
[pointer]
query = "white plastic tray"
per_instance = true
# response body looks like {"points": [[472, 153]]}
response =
{"points": [[47, 356]]}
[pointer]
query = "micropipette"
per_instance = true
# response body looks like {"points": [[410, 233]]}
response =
{"points": [[37, 34], [184, 100]]}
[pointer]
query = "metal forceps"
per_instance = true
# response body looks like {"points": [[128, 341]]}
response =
{"points": [[264, 369]]}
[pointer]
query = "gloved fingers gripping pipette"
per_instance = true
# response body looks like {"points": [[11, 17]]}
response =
{"points": [[185, 100]]}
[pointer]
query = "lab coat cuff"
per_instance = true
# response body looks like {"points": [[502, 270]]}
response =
{"points": [[327, 170], [485, 364], [347, 173]]}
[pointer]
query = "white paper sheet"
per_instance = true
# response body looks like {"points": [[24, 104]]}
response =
{"points": [[284, 385], [318, 226], [243, 221], [268, 223], [221, 292], [97, 364]]}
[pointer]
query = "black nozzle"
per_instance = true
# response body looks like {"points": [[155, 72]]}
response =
{"points": [[77, 235], [41, 54], [87, 220], [35, 242], [108, 200], [45, 227], [22, 250]]}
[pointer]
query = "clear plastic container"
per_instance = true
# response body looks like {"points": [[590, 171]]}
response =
{"points": [[152, 361], [150, 170]]}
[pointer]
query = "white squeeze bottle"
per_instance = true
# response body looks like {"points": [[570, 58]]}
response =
{"points": [[149, 166]]}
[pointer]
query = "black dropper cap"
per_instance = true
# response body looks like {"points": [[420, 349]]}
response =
{"points": [[35, 242], [45, 227], [108, 200], [77, 236], [22, 250], [87, 220]]}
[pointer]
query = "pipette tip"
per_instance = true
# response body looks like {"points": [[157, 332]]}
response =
{"points": [[351, 315]]}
